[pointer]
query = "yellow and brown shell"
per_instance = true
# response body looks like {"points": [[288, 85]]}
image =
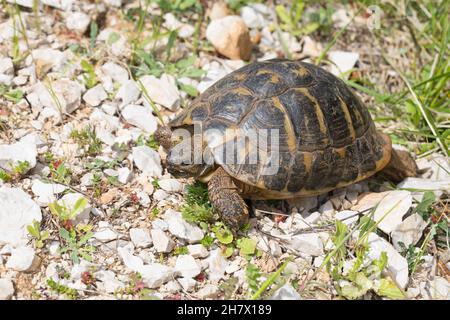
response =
{"points": [[327, 137]]}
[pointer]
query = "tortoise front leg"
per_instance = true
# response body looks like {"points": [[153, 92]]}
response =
{"points": [[225, 198]]}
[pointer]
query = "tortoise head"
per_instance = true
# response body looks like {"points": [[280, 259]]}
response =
{"points": [[180, 144]]}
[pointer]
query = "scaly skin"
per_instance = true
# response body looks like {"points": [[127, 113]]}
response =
{"points": [[225, 198]]}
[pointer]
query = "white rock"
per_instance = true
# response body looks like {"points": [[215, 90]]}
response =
{"points": [[105, 233], [424, 184], [67, 92], [172, 23], [343, 61], [140, 237], [95, 95], [49, 59], [115, 72], [6, 66], [217, 265], [391, 209], [170, 185], [144, 199], [153, 275], [128, 92], [307, 243], [187, 266], [311, 47], [162, 91], [45, 192], [409, 231], [124, 175], [53, 248], [160, 195], [173, 286], [440, 288], [140, 117], [345, 215], [208, 291], [69, 200], [108, 281], [181, 228], [87, 179], [396, 265], [147, 160], [218, 10], [230, 37], [11, 155], [161, 241], [23, 259], [252, 18], [286, 292], [17, 211], [160, 224], [188, 284], [327, 209], [77, 21], [6, 289], [197, 251]]}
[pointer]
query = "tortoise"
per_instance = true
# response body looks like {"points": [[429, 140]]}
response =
{"points": [[326, 137]]}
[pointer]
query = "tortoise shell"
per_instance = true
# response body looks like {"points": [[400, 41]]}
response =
{"points": [[327, 138]]}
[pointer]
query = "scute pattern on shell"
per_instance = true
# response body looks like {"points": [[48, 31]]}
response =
{"points": [[327, 137]]}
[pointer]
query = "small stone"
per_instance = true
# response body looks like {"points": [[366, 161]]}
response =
{"points": [[108, 281], [87, 179], [173, 286], [303, 204], [181, 228], [286, 292], [105, 233], [17, 212], [348, 217], [440, 288], [116, 72], [252, 18], [160, 224], [197, 251], [128, 93], [230, 37], [162, 91], [140, 117], [343, 62], [161, 241], [209, 291], [45, 192], [77, 21], [144, 199], [218, 10], [424, 184], [160, 195], [22, 152], [147, 160], [23, 259], [95, 95], [6, 66], [327, 209], [170, 185], [188, 284], [307, 243], [217, 265], [155, 274], [109, 196], [311, 47], [187, 266], [391, 209], [124, 175], [396, 265], [6, 289], [140, 237], [408, 232]]}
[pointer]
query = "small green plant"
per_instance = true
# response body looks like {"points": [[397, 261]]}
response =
{"points": [[21, 168], [87, 139], [59, 172], [290, 19], [197, 208], [222, 233], [65, 213], [62, 289], [89, 76], [12, 95], [181, 250], [247, 246], [75, 243], [149, 142], [4, 176], [40, 236]]}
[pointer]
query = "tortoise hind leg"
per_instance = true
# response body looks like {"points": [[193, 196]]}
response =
{"points": [[401, 166], [225, 198]]}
